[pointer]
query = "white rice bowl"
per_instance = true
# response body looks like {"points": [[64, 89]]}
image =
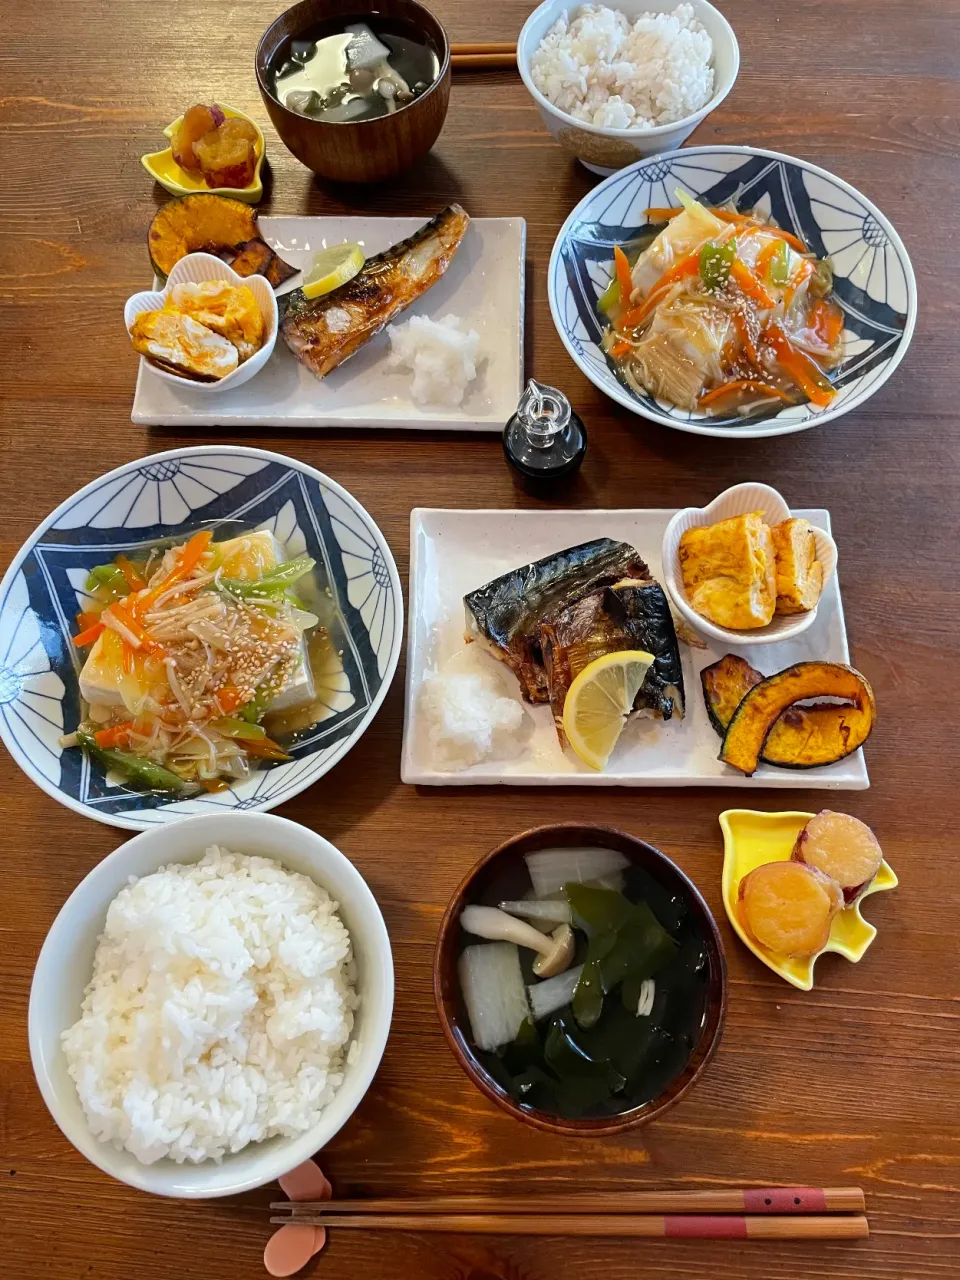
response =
{"points": [[599, 67], [219, 1012]]}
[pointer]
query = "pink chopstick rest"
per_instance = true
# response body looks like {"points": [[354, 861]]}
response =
{"points": [[306, 1182], [292, 1246]]}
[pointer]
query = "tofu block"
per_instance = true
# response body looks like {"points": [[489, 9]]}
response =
{"points": [[250, 555], [729, 571], [799, 572]]}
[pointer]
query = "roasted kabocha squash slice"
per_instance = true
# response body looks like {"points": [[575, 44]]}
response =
{"points": [[803, 737], [211, 224], [809, 736]]}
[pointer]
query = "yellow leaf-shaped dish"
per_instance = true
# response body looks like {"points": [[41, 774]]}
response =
{"points": [[750, 839], [164, 169]]}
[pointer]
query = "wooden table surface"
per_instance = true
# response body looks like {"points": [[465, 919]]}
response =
{"points": [[856, 1082]]}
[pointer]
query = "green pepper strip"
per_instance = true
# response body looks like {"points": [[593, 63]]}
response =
{"points": [[715, 262], [273, 583], [779, 266], [237, 728], [142, 772], [109, 576]]}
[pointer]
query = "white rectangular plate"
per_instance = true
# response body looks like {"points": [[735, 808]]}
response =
{"points": [[453, 552], [483, 286]]}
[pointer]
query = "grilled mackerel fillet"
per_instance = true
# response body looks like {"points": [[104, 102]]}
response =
{"points": [[506, 614], [323, 332]]}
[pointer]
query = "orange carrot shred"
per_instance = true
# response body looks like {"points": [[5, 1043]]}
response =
{"points": [[134, 579], [117, 736], [88, 636], [742, 384], [806, 373], [749, 284], [623, 275]]}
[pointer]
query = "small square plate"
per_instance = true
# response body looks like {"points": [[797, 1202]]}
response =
{"points": [[483, 286], [453, 552]]}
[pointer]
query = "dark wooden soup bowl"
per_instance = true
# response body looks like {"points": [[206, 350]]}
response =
{"points": [[358, 150], [453, 1015]]}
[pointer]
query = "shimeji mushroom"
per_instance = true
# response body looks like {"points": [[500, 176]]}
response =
{"points": [[555, 950]]}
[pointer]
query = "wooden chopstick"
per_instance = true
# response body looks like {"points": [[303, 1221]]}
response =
{"points": [[764, 1200], [481, 61], [677, 1226], [479, 46]]}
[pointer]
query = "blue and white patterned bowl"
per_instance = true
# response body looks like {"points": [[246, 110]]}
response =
{"points": [[873, 278], [171, 495]]}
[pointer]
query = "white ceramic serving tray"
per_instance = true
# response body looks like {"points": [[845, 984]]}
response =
{"points": [[453, 552], [484, 286]]}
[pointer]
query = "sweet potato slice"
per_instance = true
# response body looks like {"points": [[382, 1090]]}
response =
{"points": [[764, 704], [788, 908], [842, 847], [803, 737]]}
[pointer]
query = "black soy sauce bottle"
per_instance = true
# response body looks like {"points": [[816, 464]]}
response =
{"points": [[544, 440]]}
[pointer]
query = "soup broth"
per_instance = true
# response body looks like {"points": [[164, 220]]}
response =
{"points": [[348, 69], [580, 1067]]}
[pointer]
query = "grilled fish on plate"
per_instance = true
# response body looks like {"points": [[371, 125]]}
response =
{"points": [[629, 615], [323, 332], [548, 620], [505, 615]]}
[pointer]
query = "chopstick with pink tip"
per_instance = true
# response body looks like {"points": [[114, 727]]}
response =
{"points": [[765, 1200], [771, 1213]]}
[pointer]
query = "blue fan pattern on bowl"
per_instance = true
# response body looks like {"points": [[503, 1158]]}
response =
{"points": [[162, 500], [873, 279]]}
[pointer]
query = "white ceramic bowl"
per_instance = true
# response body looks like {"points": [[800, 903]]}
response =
{"points": [[198, 267], [604, 150], [66, 963], [737, 501]]}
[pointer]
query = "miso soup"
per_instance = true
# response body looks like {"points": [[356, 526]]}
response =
{"points": [[620, 1023], [344, 69]]}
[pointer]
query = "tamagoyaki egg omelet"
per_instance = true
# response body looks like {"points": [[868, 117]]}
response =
{"points": [[227, 309], [183, 345]]}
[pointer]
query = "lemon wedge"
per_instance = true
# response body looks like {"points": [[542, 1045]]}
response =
{"points": [[600, 699], [331, 268]]}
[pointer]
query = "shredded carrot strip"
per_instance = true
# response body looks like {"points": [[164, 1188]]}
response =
{"points": [[763, 258], [134, 626], [118, 736], [826, 320], [88, 636], [85, 620], [743, 384], [737, 219], [264, 747], [134, 580], [230, 698], [749, 284], [743, 330], [620, 349], [623, 275], [803, 272], [688, 266], [190, 557], [801, 369]]}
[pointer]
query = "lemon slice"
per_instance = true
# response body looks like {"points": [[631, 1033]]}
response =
{"points": [[331, 268], [599, 700]]}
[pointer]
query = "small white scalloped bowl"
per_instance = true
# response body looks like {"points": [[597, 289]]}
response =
{"points": [[197, 268], [738, 501]]}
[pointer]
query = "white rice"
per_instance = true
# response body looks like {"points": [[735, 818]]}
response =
{"points": [[601, 69], [443, 358], [220, 1007]]}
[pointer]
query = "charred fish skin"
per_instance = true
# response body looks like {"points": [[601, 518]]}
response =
{"points": [[506, 613], [644, 612], [323, 332]]}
